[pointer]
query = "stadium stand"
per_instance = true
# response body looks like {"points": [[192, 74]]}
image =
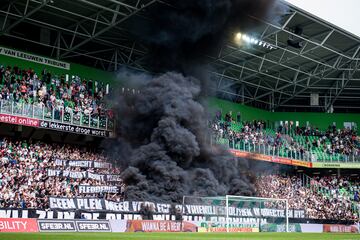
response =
{"points": [[333, 143], [31, 172], [323, 197], [50, 96], [282, 97], [26, 86], [303, 143], [337, 187]]}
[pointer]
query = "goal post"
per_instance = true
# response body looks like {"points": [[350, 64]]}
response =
{"points": [[275, 204], [232, 213]]}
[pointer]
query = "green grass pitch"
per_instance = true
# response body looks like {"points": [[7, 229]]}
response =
{"points": [[177, 236]]}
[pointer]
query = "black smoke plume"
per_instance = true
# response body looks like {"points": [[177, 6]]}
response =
{"points": [[163, 140]]}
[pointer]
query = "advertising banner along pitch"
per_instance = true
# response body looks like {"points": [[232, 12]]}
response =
{"points": [[18, 225]]}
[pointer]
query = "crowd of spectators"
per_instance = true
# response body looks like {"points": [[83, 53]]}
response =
{"points": [[25, 181], [333, 141], [62, 94], [24, 178], [338, 187], [316, 204], [250, 133]]}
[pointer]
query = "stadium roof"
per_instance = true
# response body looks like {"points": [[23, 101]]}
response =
{"points": [[87, 31], [341, 13], [284, 77], [276, 77]]}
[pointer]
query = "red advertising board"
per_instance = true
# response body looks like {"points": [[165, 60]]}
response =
{"points": [[266, 158], [11, 119], [160, 226], [337, 228], [18, 225], [238, 153], [281, 160], [301, 163]]}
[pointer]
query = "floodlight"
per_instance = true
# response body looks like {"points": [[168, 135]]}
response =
{"points": [[246, 38], [238, 36]]}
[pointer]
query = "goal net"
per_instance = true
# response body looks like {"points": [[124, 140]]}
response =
{"points": [[237, 213]]}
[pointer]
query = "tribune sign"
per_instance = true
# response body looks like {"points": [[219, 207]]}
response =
{"points": [[34, 58]]}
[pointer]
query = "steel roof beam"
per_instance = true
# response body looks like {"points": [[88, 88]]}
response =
{"points": [[79, 53], [7, 14], [104, 8], [248, 83], [308, 106], [356, 52], [291, 84], [114, 23], [277, 63], [321, 21], [237, 95], [301, 91], [303, 52], [90, 53], [337, 79], [271, 61], [324, 96], [78, 23], [333, 88], [123, 4], [256, 71], [54, 27], [254, 74], [7, 29], [342, 79], [303, 38], [301, 55], [344, 84], [72, 13], [51, 46], [307, 85], [284, 50]]}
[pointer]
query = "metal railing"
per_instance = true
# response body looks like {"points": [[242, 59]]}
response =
{"points": [[59, 114], [306, 155]]}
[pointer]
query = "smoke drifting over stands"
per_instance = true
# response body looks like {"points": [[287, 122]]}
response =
{"points": [[163, 139]]}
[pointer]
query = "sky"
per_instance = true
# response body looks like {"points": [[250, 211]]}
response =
{"points": [[342, 13]]}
